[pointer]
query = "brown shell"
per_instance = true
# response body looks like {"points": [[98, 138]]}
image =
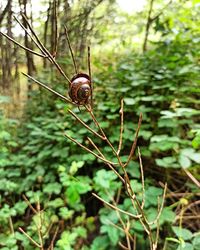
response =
{"points": [[80, 83]]}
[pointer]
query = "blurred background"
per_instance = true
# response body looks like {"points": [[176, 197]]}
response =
{"points": [[147, 52]]}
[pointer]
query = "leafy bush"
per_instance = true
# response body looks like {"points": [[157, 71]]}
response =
{"points": [[56, 175]]}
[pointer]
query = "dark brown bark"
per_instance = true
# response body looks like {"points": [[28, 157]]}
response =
{"points": [[148, 25], [29, 57], [2, 15], [150, 20], [46, 32]]}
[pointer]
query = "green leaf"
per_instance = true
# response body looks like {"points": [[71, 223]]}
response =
{"points": [[58, 202], [185, 246], [65, 213], [100, 243], [196, 242], [52, 188], [167, 162], [184, 161], [129, 101], [113, 233], [182, 233]]}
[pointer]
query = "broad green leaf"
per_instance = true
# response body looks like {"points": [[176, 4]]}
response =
{"points": [[183, 233]]}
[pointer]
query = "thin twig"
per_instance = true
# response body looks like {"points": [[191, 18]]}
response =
{"points": [[71, 51], [29, 204], [90, 75], [161, 206], [157, 235], [90, 151], [142, 177], [121, 126], [56, 28], [53, 239], [21, 46], [11, 225], [135, 141], [50, 57], [192, 178], [134, 242], [116, 208], [85, 125], [122, 246], [110, 166], [32, 38], [29, 237], [48, 88]]}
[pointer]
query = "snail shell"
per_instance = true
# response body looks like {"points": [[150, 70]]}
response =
{"points": [[80, 89]]}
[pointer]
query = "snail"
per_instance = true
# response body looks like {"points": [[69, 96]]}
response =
{"points": [[80, 89]]}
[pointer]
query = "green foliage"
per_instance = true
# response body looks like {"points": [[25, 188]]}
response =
{"points": [[37, 160]]}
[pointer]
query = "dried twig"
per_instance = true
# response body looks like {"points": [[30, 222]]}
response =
{"points": [[21, 46], [121, 126], [101, 154], [50, 57], [71, 51], [90, 151], [135, 141], [29, 204], [192, 178], [53, 239], [85, 125], [48, 88], [116, 208], [142, 178], [29, 237], [161, 206]]}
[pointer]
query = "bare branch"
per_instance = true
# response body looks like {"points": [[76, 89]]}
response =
{"points": [[90, 151], [161, 11], [71, 51], [48, 88], [116, 208], [121, 126], [85, 125], [29, 237], [161, 206], [53, 239], [50, 57], [110, 166], [192, 178], [142, 177], [29, 204], [22, 46], [90, 75], [134, 142], [122, 246]]}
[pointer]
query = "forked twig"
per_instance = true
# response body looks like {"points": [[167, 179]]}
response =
{"points": [[32, 38], [110, 166], [50, 57], [21, 46], [85, 125], [90, 151]]}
